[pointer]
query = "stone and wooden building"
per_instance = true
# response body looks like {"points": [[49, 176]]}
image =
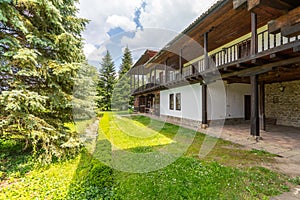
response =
{"points": [[239, 61]]}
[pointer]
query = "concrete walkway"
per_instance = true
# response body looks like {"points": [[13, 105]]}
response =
{"points": [[280, 140]]}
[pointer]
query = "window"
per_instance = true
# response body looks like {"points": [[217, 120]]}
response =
{"points": [[178, 101], [171, 101]]}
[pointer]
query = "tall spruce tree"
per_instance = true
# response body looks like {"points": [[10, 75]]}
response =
{"points": [[126, 62], [84, 93], [106, 83], [122, 95], [40, 53]]}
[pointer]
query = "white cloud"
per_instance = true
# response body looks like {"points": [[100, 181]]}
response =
{"points": [[95, 54], [123, 22], [88, 48], [165, 15], [173, 14], [99, 11], [149, 38]]}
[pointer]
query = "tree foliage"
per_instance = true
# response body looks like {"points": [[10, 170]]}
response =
{"points": [[126, 62], [106, 82], [40, 53], [84, 93], [122, 95]]}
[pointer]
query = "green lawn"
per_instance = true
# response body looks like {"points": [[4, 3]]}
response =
{"points": [[227, 172]]}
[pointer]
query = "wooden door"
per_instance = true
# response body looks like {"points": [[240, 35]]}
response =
{"points": [[247, 108]]}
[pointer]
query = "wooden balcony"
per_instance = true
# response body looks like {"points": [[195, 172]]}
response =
{"points": [[227, 60]]}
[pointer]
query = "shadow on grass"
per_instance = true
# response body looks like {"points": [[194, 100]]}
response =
{"points": [[14, 161], [93, 179]]}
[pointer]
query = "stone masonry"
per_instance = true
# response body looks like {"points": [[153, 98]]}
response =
{"points": [[283, 103]]}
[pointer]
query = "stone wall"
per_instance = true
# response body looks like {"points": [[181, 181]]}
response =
{"points": [[283, 103]]}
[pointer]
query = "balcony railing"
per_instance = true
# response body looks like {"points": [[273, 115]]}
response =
{"points": [[227, 55]]}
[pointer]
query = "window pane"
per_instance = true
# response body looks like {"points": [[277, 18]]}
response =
{"points": [[171, 101], [178, 101]]}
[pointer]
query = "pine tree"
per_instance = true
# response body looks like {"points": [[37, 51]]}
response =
{"points": [[40, 53], [126, 62], [106, 83], [84, 93], [122, 99]]}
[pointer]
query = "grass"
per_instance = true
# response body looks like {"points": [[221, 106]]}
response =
{"points": [[227, 172]]}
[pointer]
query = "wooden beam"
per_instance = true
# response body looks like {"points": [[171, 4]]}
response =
{"points": [[268, 67], [253, 3], [254, 106], [291, 31], [289, 19], [254, 43], [238, 3], [262, 116], [296, 49], [276, 4]]}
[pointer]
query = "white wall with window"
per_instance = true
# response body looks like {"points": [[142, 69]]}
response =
{"points": [[190, 102], [223, 101]]}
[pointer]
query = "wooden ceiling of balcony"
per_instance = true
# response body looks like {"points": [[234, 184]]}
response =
{"points": [[224, 24]]}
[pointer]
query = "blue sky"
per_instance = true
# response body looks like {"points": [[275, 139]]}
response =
{"points": [[138, 24]]}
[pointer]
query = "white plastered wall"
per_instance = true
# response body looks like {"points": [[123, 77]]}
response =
{"points": [[190, 102], [224, 100]]}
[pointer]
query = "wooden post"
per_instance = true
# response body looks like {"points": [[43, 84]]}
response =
{"points": [[253, 34], [131, 83], [262, 115], [155, 75], [206, 64], [150, 76], [180, 62], [204, 106], [138, 76], [134, 82], [254, 106], [166, 71], [143, 77]]}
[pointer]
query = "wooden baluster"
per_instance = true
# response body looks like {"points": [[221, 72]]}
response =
{"points": [[263, 41], [275, 40], [268, 35]]}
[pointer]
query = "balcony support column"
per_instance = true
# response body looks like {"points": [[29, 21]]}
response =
{"points": [[254, 106], [155, 75], [166, 70], [206, 64], [134, 83], [254, 43], [180, 63], [138, 76], [131, 83], [262, 115], [143, 77], [204, 124]]}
